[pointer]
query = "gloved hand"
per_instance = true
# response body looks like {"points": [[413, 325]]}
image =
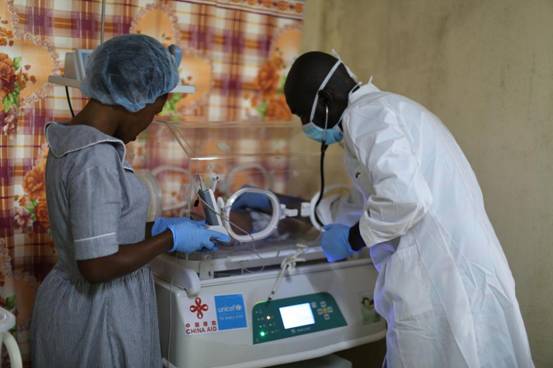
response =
{"points": [[189, 236], [335, 244], [162, 223], [255, 201]]}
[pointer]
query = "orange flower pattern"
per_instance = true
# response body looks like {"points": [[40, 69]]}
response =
{"points": [[269, 100], [277, 109], [268, 76], [7, 75], [32, 207], [41, 213], [280, 5], [13, 79], [33, 182]]}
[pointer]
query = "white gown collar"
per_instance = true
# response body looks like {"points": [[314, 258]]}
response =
{"points": [[362, 91]]}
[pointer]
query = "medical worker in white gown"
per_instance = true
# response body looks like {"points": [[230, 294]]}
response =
{"points": [[444, 285]]}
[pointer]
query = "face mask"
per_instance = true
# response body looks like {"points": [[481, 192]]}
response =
{"points": [[327, 135]]}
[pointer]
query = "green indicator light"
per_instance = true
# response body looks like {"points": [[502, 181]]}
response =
{"points": [[262, 334]]}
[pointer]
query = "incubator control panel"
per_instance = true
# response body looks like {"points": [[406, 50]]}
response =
{"points": [[282, 318]]}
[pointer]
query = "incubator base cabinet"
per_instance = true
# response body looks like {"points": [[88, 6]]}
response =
{"points": [[319, 309], [329, 361]]}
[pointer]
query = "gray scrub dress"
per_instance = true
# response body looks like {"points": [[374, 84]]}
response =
{"points": [[95, 203]]}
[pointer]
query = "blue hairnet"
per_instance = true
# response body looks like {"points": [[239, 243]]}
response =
{"points": [[131, 71]]}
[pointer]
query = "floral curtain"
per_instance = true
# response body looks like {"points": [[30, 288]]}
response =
{"points": [[236, 53]]}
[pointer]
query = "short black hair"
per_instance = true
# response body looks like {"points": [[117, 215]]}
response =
{"points": [[305, 77]]}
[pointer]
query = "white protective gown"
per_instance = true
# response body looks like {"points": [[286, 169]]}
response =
{"points": [[444, 284]]}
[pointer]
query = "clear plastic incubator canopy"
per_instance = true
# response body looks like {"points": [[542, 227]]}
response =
{"points": [[268, 297]]}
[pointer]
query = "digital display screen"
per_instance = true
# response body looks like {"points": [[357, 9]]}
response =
{"points": [[297, 315]]}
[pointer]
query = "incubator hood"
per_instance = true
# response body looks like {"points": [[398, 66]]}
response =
{"points": [[177, 159]]}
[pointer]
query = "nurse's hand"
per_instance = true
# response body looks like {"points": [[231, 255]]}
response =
{"points": [[162, 223], [334, 242], [190, 236]]}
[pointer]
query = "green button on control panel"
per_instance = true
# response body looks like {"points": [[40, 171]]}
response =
{"points": [[299, 315]]}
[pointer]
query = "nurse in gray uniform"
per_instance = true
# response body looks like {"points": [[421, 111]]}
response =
{"points": [[97, 307]]}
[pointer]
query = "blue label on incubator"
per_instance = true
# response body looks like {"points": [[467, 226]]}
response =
{"points": [[231, 311]]}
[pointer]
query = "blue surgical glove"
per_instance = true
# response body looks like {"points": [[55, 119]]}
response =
{"points": [[162, 223], [335, 244], [255, 201], [189, 237]]}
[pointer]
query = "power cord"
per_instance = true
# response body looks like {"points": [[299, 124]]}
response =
{"points": [[69, 101], [288, 265]]}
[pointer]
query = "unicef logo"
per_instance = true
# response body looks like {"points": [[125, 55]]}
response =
{"points": [[230, 308]]}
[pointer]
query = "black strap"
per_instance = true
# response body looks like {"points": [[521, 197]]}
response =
{"points": [[355, 239]]}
